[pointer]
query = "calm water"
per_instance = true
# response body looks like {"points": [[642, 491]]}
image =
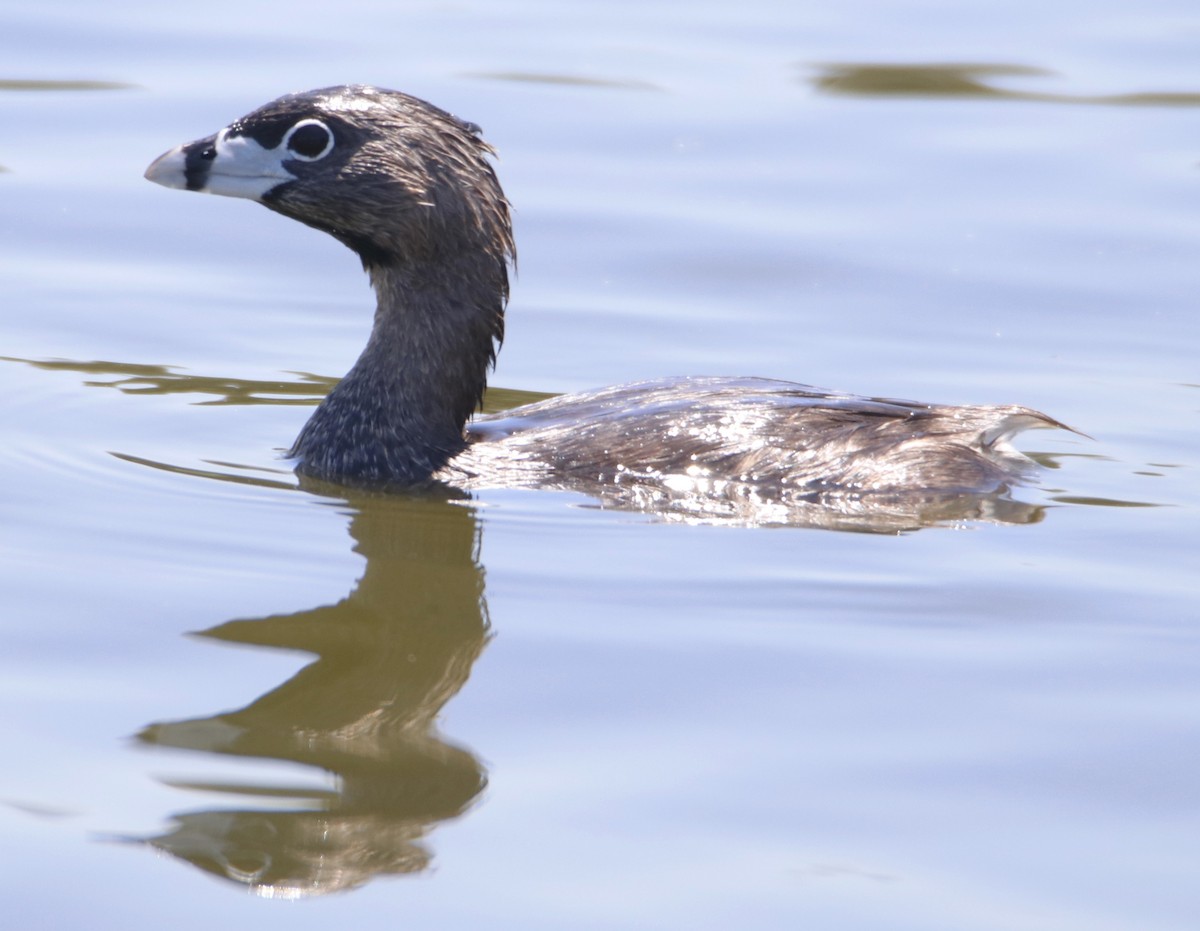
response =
{"points": [[520, 710]]}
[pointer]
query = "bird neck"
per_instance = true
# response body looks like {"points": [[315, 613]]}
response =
{"points": [[398, 415]]}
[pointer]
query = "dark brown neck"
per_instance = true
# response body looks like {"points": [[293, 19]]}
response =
{"points": [[398, 415]]}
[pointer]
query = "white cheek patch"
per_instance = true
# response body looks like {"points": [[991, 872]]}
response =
{"points": [[243, 168]]}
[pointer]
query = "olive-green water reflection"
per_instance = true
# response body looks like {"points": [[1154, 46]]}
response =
{"points": [[18, 84], [388, 658], [300, 388], [882, 79]]}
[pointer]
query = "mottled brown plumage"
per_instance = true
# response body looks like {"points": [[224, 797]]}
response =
{"points": [[410, 188]]}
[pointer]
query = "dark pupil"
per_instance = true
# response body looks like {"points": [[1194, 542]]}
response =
{"points": [[309, 140]]}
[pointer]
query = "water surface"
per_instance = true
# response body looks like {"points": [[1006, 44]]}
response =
{"points": [[520, 709]]}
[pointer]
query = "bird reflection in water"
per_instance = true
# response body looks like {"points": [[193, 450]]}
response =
{"points": [[389, 657]]}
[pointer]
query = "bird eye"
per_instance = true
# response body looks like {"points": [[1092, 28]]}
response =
{"points": [[309, 140]]}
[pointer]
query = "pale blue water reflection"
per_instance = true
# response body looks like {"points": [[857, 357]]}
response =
{"points": [[609, 722]]}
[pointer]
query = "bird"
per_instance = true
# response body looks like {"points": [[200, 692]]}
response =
{"points": [[412, 190]]}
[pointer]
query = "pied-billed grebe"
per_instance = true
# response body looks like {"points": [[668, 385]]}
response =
{"points": [[410, 188]]}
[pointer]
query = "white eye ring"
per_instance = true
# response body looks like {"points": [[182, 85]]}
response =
{"points": [[308, 156]]}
